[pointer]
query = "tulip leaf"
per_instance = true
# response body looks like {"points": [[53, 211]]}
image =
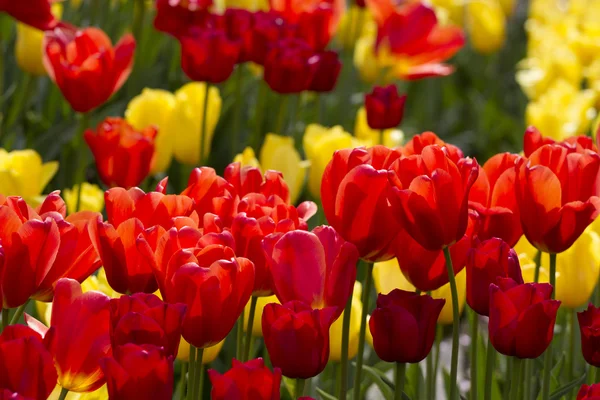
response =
{"points": [[415, 382], [557, 394], [386, 387], [325, 396]]}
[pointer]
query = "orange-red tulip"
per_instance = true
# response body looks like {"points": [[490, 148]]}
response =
{"points": [[419, 142], [533, 140]]}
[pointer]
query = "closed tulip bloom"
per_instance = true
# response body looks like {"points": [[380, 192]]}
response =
{"points": [[267, 29], [289, 67], [238, 24], [123, 155], [36, 13], [552, 223], [403, 326], [328, 67], [135, 371], [297, 338], [487, 261], [385, 108], [522, 317], [354, 192], [247, 158], [79, 321], [22, 173], [486, 25], [26, 367], [589, 327], [316, 27], [293, 10], [76, 60], [92, 198], [244, 381], [587, 392], [533, 140], [430, 196], [317, 268], [176, 17], [419, 142], [493, 197]]}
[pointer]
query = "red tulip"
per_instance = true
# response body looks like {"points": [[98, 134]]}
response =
{"points": [[26, 367], [354, 192], [522, 317], [175, 17], [211, 194], [317, 268], [248, 180], [426, 269], [76, 60], [328, 67], [123, 155], [297, 337], [589, 392], [493, 197], [385, 108], [79, 336], [430, 196], [488, 261], [419, 142], [36, 13], [533, 140], [245, 381], [293, 10], [239, 24], [589, 327], [557, 196], [316, 27], [403, 325], [144, 319], [289, 67], [268, 28], [139, 372]]}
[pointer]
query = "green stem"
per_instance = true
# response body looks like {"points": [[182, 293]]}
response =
{"points": [[299, 389], [81, 158], [366, 292], [199, 372], [592, 375], [239, 349], [249, 328], [516, 378], [191, 374], [203, 125], [548, 354], [183, 380], [538, 262], [21, 96], [489, 370], [279, 127], [553, 274], [5, 317], [19, 313], [439, 334], [509, 375], [526, 379], [400, 377], [260, 116], [343, 388], [138, 20], [381, 136], [474, 342], [318, 106], [429, 376], [63, 394], [571, 353], [237, 113], [294, 119], [455, 325]]}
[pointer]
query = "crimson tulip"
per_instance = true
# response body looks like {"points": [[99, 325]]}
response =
{"points": [[293, 10], [430, 196], [76, 60], [493, 197], [419, 142], [175, 17], [533, 140], [355, 194], [385, 107], [289, 67], [557, 195], [589, 327], [403, 325], [522, 317], [589, 392], [26, 367], [245, 381], [138, 372], [487, 261], [144, 319], [268, 28], [317, 26], [36, 13], [328, 67], [123, 155], [297, 337], [238, 24]]}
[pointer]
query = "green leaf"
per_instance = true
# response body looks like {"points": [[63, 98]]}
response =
{"points": [[557, 394], [290, 385], [415, 382], [386, 387], [325, 396]]}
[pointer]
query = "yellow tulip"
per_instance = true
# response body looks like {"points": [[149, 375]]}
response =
{"points": [[247, 158], [449, 11], [335, 332], [22, 173], [185, 122], [28, 46], [260, 306], [577, 268], [355, 23], [370, 137], [366, 61], [279, 153], [208, 356], [99, 394], [319, 145], [92, 198], [154, 107], [251, 5], [486, 25], [388, 276]]}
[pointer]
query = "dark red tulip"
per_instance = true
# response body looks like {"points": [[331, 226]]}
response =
{"points": [[533, 140], [316, 27], [589, 327], [288, 66], [317, 268], [76, 60], [145, 319], [430, 196], [293, 10], [175, 17], [522, 317], [79, 321], [419, 142], [297, 338], [239, 24], [26, 368], [557, 195], [246, 381], [328, 67], [493, 197], [385, 107], [587, 392], [488, 261], [426, 269], [36, 13], [354, 192], [403, 325], [139, 372], [123, 155]]}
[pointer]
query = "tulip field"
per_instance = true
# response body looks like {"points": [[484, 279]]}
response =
{"points": [[299, 199]]}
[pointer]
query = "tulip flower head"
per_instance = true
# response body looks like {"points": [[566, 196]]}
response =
{"points": [[587, 392], [247, 380], [290, 66], [36, 13], [327, 69], [175, 17], [589, 327], [385, 108], [533, 140], [23, 173]]}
